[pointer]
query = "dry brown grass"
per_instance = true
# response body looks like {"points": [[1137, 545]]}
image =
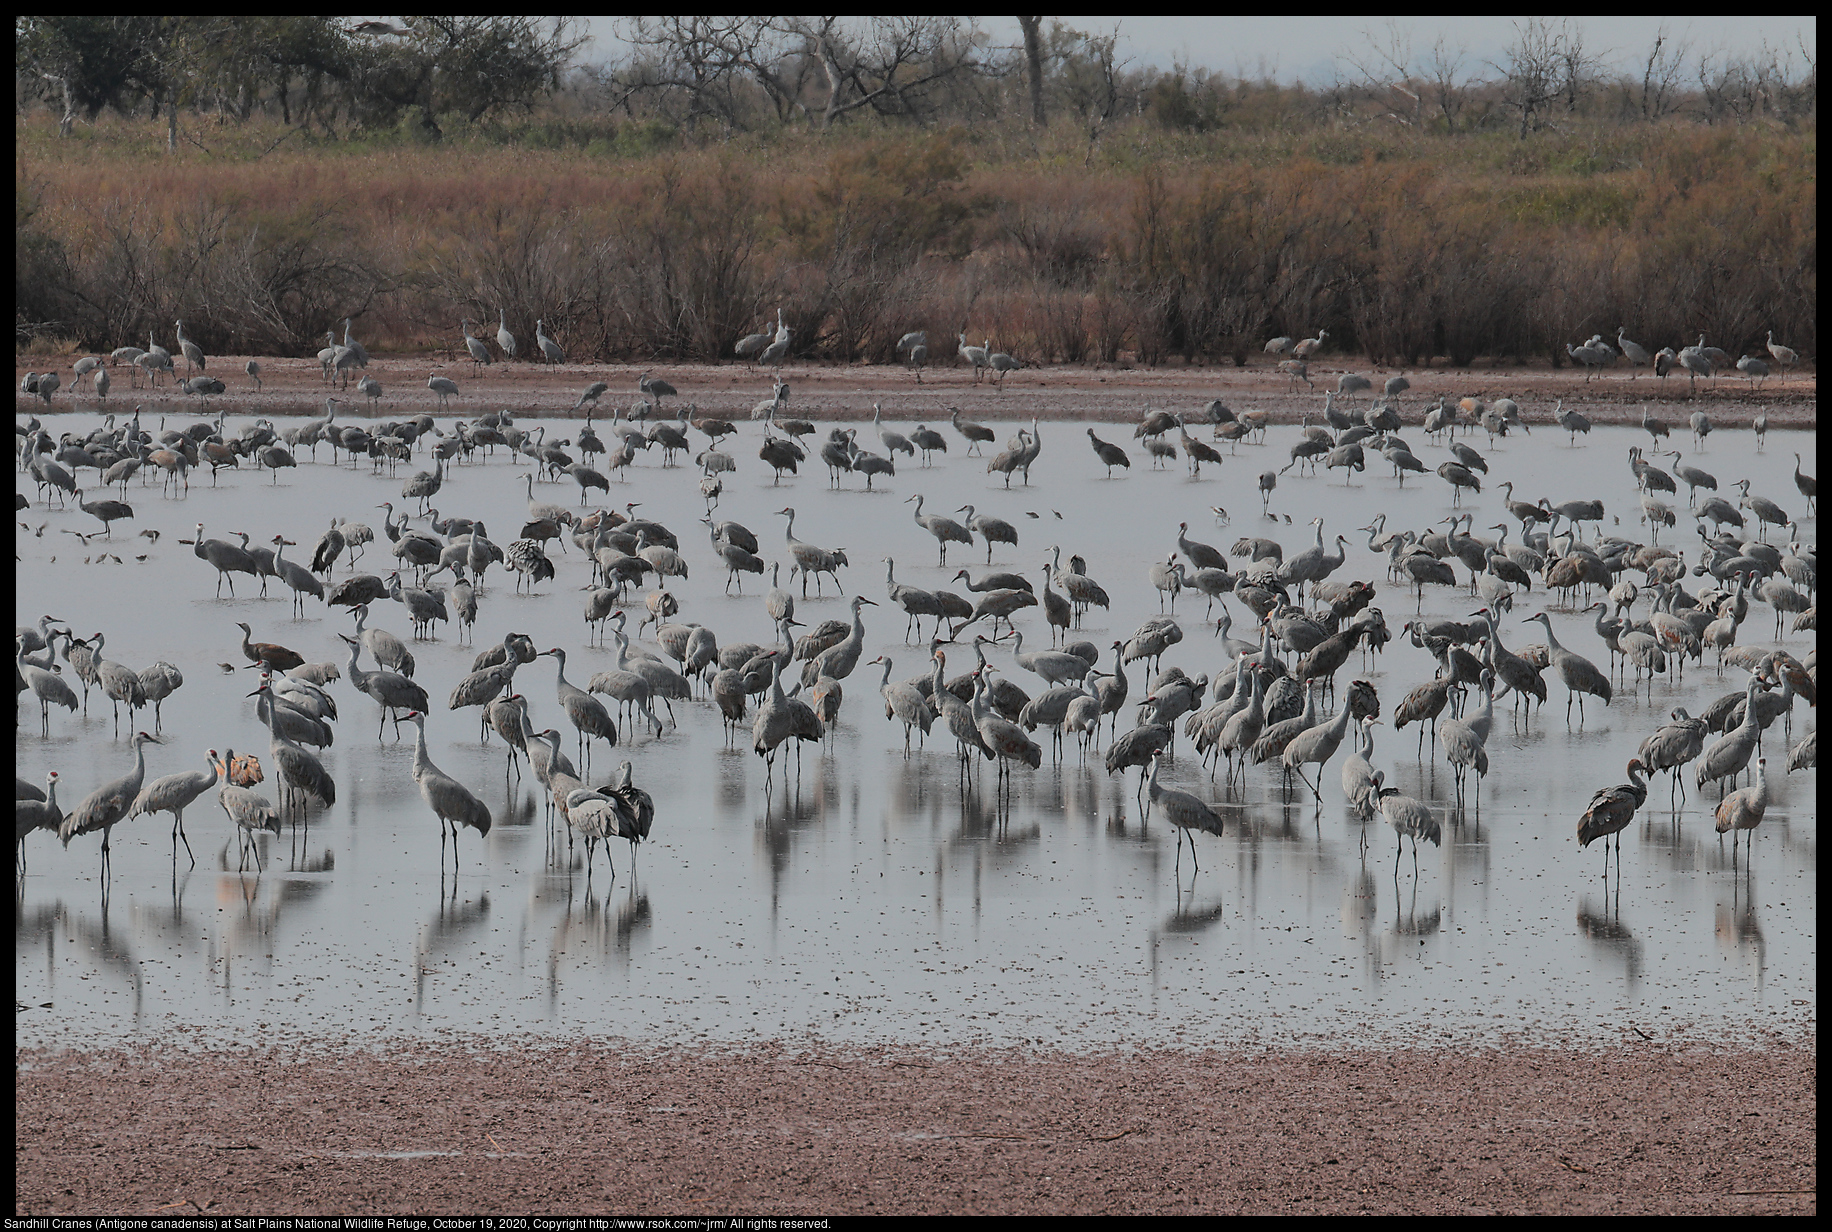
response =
{"points": [[1165, 248]]}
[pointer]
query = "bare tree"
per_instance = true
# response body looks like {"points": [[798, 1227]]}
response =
{"points": [[1543, 64], [1033, 65], [1385, 65], [1447, 82], [697, 60], [1090, 75], [889, 64], [1660, 77]]}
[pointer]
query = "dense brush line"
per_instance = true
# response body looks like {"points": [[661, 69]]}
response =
{"points": [[1429, 255]]}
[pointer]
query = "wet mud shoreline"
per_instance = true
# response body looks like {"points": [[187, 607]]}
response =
{"points": [[1642, 1128], [846, 393]]}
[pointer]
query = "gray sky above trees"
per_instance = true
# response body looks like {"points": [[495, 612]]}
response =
{"points": [[1289, 48]]}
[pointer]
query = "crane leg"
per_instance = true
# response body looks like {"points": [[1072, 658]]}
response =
{"points": [[178, 833]]}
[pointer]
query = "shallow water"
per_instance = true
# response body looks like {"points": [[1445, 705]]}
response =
{"points": [[875, 900]]}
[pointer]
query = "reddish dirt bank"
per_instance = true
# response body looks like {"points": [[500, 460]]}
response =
{"points": [[1115, 394], [607, 1129]]}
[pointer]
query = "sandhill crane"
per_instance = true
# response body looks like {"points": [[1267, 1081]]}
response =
{"points": [[1696, 362], [550, 350], [893, 442], [226, 558], [1241, 729], [1110, 455], [1693, 478], [1281, 345], [946, 530], [1184, 810], [904, 703], [1316, 744], [1310, 346], [1465, 739], [928, 440], [48, 687], [248, 810], [445, 387], [976, 434], [1592, 357], [913, 600], [1458, 477], [1636, 354], [1081, 589], [120, 684], [916, 342], [975, 355], [172, 794], [810, 559], [591, 394], [1001, 363], [1579, 674], [279, 658], [738, 559], [299, 771], [586, 712], [391, 690], [1743, 810], [1808, 486], [389, 651], [777, 350], [193, 354], [1786, 357], [1003, 736], [1407, 816], [297, 577], [1352, 383], [473, 345], [1314, 563], [37, 814], [839, 659], [1671, 747], [1195, 450], [1755, 369], [106, 511], [451, 802], [992, 530], [504, 338], [1055, 666], [782, 718], [1572, 422], [106, 806], [1167, 579], [1009, 459], [630, 687], [1424, 704], [751, 344], [1767, 512], [1358, 786]]}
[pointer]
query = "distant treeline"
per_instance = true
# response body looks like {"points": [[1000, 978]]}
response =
{"points": [[1174, 217]]}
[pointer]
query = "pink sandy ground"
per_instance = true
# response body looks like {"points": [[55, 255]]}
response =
{"points": [[1642, 1129]]}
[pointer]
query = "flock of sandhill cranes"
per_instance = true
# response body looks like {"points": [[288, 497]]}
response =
{"points": [[771, 348], [1263, 707]]}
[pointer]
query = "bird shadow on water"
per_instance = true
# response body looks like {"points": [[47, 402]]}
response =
{"points": [[605, 927], [1740, 934], [449, 926], [95, 937], [1603, 926]]}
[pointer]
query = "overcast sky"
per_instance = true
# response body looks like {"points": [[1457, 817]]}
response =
{"points": [[1293, 47]]}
